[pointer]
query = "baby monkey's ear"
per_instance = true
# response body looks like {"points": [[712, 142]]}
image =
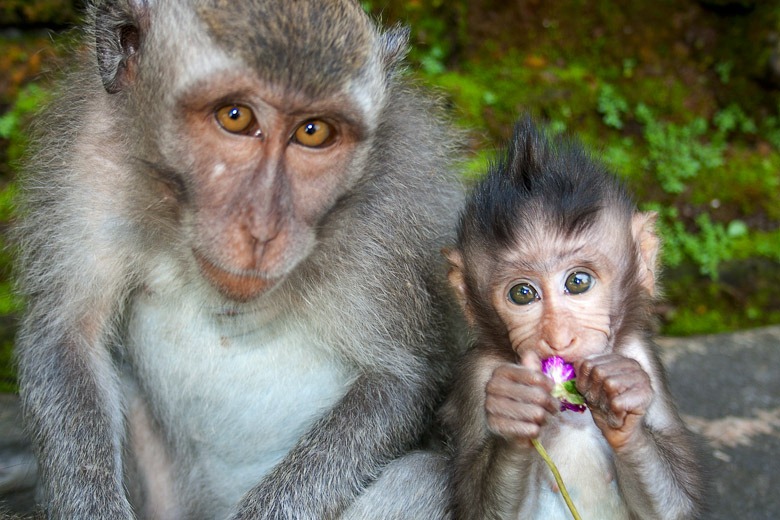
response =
{"points": [[457, 278], [648, 245]]}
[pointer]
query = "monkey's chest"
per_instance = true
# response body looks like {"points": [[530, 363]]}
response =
{"points": [[234, 391], [585, 462]]}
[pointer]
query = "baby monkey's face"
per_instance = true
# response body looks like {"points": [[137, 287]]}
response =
{"points": [[555, 295]]}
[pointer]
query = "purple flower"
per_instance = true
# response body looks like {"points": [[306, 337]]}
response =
{"points": [[562, 374]]}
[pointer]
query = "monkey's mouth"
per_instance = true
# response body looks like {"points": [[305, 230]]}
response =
{"points": [[240, 287]]}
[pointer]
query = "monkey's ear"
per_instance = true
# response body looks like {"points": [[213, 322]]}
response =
{"points": [[643, 228], [117, 40], [458, 281], [395, 45]]}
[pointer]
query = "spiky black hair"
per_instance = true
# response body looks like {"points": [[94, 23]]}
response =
{"points": [[537, 177]]}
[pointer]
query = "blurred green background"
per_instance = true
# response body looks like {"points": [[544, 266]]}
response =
{"points": [[678, 96]]}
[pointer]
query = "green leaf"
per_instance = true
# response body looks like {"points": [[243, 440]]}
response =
{"points": [[567, 391]]}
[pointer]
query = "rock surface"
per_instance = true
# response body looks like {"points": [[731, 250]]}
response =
{"points": [[17, 464], [728, 390]]}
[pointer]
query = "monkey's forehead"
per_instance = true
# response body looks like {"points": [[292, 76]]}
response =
{"points": [[542, 245], [314, 45]]}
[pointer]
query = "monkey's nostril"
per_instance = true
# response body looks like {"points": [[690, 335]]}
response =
{"points": [[258, 246]]}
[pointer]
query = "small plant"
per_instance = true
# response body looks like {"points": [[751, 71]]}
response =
{"points": [[28, 102], [611, 106], [675, 153], [723, 70], [708, 246], [733, 118]]}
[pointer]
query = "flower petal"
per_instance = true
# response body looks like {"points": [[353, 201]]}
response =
{"points": [[565, 389], [557, 369]]}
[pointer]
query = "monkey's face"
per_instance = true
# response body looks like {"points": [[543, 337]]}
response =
{"points": [[555, 295], [264, 170], [261, 128]]}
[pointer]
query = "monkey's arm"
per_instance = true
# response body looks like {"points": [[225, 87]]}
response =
{"points": [[658, 474], [654, 455], [491, 432], [75, 249], [72, 407], [68, 384], [373, 423]]}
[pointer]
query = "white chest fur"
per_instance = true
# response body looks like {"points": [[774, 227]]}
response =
{"points": [[585, 462], [235, 389]]}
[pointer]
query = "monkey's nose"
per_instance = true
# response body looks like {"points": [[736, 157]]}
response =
{"points": [[559, 342]]}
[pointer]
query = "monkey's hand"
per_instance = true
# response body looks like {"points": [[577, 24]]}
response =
{"points": [[518, 401], [618, 393]]}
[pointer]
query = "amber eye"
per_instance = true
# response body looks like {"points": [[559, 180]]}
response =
{"points": [[314, 133], [522, 294], [236, 119], [579, 282]]}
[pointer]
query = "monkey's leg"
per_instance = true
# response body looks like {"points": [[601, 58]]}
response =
{"points": [[147, 464], [412, 487]]}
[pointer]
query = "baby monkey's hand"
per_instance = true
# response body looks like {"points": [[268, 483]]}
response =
{"points": [[518, 401], [618, 393]]}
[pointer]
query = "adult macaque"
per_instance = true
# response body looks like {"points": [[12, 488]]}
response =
{"points": [[553, 259], [230, 247]]}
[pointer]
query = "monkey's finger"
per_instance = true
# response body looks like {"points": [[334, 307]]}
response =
{"points": [[631, 388], [509, 373], [598, 370], [616, 384], [586, 377], [616, 419], [608, 361], [514, 410], [514, 430], [616, 392], [531, 360], [520, 395], [623, 366], [635, 401]]}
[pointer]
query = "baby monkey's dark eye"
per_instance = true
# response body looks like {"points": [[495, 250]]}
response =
{"points": [[522, 294], [578, 283], [236, 119]]}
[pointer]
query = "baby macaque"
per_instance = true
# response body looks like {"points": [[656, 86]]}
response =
{"points": [[554, 259]]}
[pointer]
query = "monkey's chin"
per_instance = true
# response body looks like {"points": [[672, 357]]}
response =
{"points": [[237, 287]]}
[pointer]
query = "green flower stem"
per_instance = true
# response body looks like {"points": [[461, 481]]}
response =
{"points": [[558, 479]]}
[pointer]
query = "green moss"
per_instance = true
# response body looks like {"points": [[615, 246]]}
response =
{"points": [[7, 368], [758, 244], [612, 106], [743, 297], [57, 12], [746, 184], [676, 153], [700, 320]]}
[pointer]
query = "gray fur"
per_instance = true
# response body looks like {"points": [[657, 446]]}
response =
{"points": [[98, 241], [401, 478]]}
